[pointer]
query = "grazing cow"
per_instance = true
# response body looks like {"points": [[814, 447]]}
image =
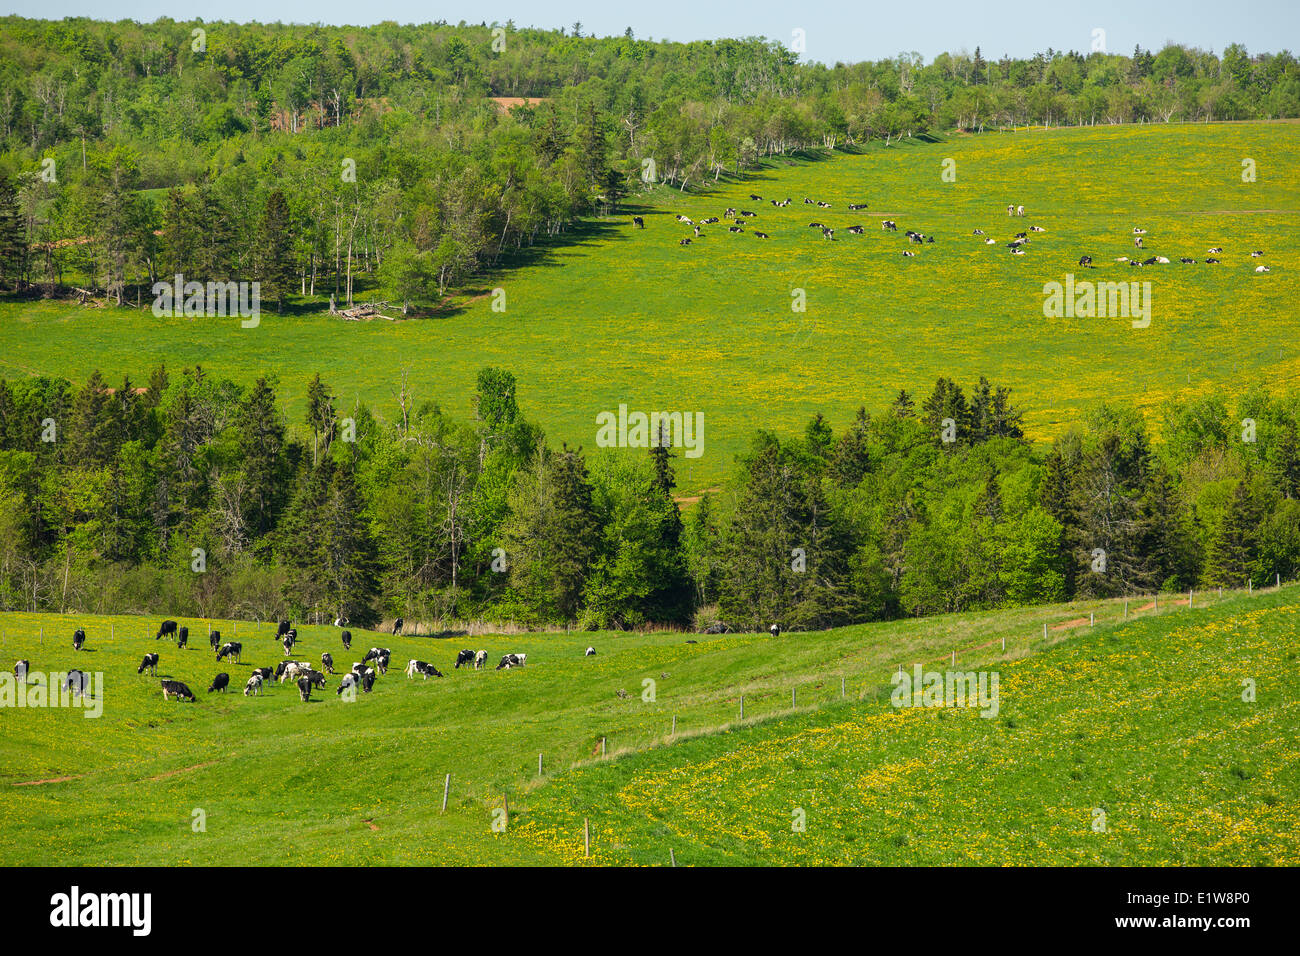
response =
{"points": [[230, 649], [220, 682], [828, 234], [1085, 261], [854, 230], [282, 630], [327, 662], [374, 653], [78, 639], [479, 660], [266, 673], [289, 641], [77, 682], [214, 639], [316, 677], [1020, 210], [150, 664], [730, 213], [1011, 210], [347, 640], [697, 232], [465, 657], [775, 630], [367, 681], [304, 688], [1138, 242], [816, 225], [888, 225], [174, 688], [292, 670], [1262, 269], [512, 660], [422, 668], [166, 629], [382, 662], [638, 222], [182, 637], [21, 669], [761, 235], [254, 685], [590, 652]]}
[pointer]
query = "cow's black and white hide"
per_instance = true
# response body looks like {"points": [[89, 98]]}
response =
{"points": [[230, 649], [464, 657], [174, 688], [150, 664]]}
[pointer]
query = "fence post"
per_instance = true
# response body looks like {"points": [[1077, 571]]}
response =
{"points": [[1126, 609], [1189, 599], [1092, 618], [742, 706], [446, 788], [1044, 630], [671, 858], [1004, 643], [539, 765], [602, 746], [586, 836], [674, 733], [841, 687]]}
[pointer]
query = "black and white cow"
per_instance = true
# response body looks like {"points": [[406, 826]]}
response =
{"points": [[150, 664], [775, 630], [349, 681], [214, 639], [1215, 250], [230, 649], [423, 668], [78, 639], [254, 685], [1085, 261], [888, 225], [590, 652], [638, 222], [854, 230], [21, 669], [266, 673], [220, 682], [289, 640], [397, 626], [304, 688], [375, 653], [512, 660], [464, 657], [182, 637], [166, 629], [327, 662], [77, 682], [316, 677], [174, 688], [479, 660], [282, 630], [291, 670]]}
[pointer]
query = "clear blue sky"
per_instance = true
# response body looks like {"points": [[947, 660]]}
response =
{"points": [[847, 30]]}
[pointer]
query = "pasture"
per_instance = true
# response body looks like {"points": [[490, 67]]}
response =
{"points": [[1140, 716], [616, 315]]}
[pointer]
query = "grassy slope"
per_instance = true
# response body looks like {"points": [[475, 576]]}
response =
{"points": [[1142, 719], [623, 316]]}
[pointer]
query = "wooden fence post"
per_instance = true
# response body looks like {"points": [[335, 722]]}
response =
{"points": [[586, 836], [742, 706], [446, 788]]}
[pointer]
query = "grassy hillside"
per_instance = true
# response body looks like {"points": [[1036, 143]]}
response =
{"points": [[623, 316], [1141, 717]]}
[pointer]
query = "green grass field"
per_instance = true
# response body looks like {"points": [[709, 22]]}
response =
{"points": [[1142, 718], [621, 316]]}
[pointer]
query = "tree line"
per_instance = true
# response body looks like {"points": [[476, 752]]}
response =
{"points": [[193, 495]]}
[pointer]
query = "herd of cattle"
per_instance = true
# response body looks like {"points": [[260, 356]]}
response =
{"points": [[300, 674], [737, 221]]}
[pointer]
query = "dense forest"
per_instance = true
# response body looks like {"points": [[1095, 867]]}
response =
{"points": [[191, 495], [327, 162]]}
